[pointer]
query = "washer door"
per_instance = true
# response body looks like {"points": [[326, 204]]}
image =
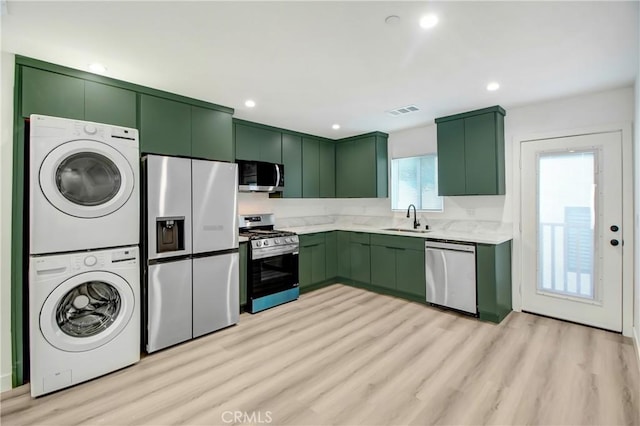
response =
{"points": [[86, 179], [87, 311]]}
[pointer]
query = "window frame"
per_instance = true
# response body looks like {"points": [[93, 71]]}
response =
{"points": [[391, 184]]}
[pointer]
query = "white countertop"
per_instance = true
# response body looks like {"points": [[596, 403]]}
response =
{"points": [[471, 237]]}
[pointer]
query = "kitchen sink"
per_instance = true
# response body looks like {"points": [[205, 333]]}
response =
{"points": [[417, 231]]}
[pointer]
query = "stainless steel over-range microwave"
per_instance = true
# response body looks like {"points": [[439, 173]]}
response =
{"points": [[260, 176]]}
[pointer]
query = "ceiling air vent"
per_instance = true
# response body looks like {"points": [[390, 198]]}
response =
{"points": [[403, 110]]}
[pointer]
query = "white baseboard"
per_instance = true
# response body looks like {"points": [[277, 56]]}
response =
{"points": [[5, 382], [636, 341]]}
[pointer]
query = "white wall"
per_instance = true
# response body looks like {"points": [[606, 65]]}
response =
{"points": [[611, 106], [7, 62]]}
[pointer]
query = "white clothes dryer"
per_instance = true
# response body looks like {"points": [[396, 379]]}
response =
{"points": [[84, 316], [84, 185]]}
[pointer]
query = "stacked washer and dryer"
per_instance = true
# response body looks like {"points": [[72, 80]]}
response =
{"points": [[84, 266]]}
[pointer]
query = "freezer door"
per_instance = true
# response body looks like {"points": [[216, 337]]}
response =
{"points": [[215, 206], [451, 279], [168, 196], [169, 319], [216, 302]]}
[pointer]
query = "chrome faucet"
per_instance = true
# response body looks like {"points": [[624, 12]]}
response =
{"points": [[415, 219]]}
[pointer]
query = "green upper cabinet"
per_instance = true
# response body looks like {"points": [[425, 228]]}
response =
{"points": [[165, 126], [310, 168], [258, 143], [211, 134], [292, 161], [471, 153], [318, 168], [53, 94], [109, 104], [362, 167], [59, 95], [327, 154]]}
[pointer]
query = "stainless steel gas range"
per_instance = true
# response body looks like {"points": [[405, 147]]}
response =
{"points": [[272, 270]]}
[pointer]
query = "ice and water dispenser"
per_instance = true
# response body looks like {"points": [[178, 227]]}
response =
{"points": [[169, 234]]}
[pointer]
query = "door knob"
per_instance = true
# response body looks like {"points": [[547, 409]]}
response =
{"points": [[614, 228], [615, 242]]}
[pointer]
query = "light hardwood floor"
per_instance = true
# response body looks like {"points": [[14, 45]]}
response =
{"points": [[342, 355]]}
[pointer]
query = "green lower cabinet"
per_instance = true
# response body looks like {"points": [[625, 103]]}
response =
{"points": [[344, 254], [383, 267], [493, 278], [243, 273], [410, 272], [360, 261], [110, 105], [331, 254], [312, 260]]}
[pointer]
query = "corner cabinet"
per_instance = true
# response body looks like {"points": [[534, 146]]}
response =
{"points": [[362, 166], [471, 153]]}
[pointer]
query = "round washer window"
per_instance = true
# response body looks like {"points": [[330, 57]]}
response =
{"points": [[88, 179], [88, 309]]}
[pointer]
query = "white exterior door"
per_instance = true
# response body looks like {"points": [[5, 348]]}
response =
{"points": [[572, 228]]}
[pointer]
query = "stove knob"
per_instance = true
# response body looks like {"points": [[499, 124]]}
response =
{"points": [[258, 243], [266, 242], [289, 240], [277, 241]]}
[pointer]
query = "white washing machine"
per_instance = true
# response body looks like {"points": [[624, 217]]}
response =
{"points": [[84, 316], [84, 185]]}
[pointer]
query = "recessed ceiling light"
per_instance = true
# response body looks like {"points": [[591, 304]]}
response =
{"points": [[429, 21], [249, 103], [335, 126], [493, 86], [97, 68]]}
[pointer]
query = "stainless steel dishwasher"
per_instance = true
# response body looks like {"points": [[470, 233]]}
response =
{"points": [[451, 275]]}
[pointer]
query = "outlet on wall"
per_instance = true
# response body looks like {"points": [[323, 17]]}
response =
{"points": [[471, 212]]}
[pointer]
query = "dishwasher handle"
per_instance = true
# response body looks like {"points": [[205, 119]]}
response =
{"points": [[468, 248]]}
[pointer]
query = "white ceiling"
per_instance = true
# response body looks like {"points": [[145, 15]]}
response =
{"points": [[311, 64]]}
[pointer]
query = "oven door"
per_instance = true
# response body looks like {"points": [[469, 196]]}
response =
{"points": [[271, 275]]}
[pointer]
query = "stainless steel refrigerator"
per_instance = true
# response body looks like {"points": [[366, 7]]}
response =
{"points": [[191, 245]]}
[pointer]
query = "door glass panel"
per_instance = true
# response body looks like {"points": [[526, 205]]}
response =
{"points": [[566, 223], [88, 179], [88, 309]]}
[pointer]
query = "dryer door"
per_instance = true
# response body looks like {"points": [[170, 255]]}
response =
{"points": [[86, 179], [87, 311]]}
